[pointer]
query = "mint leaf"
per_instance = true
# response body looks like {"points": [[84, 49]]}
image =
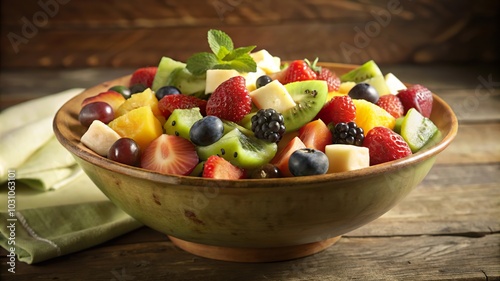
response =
{"points": [[238, 52], [243, 63], [223, 52], [218, 39], [199, 63]]}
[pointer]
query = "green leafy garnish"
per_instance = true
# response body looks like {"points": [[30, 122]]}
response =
{"points": [[223, 56]]}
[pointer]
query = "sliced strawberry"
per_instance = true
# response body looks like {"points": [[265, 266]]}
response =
{"points": [[298, 70], [280, 160], [170, 155], [230, 100], [385, 145], [144, 76], [315, 134], [391, 104], [332, 80], [217, 167], [418, 97], [338, 109], [171, 102], [112, 98]]}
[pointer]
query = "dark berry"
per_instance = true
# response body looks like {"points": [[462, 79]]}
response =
{"points": [[166, 91], [266, 171], [206, 131], [308, 162], [137, 88], [364, 91], [268, 124], [347, 133], [262, 81], [123, 90]]}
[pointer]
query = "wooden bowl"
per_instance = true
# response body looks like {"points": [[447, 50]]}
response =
{"points": [[253, 220]]}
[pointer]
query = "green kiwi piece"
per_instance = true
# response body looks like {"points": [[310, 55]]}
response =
{"points": [[309, 96], [165, 69], [364, 72], [180, 122], [230, 125], [198, 170], [417, 130], [186, 82], [241, 150]]}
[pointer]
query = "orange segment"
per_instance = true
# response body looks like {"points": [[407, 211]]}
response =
{"points": [[370, 115], [139, 124]]}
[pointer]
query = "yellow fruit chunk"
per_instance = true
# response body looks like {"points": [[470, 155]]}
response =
{"points": [[370, 115], [334, 94], [138, 100], [139, 124]]}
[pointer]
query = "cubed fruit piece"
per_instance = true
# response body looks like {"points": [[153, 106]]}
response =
{"points": [[99, 137], [266, 61], [146, 98], [113, 98], [282, 157], [170, 155], [273, 95], [172, 102], [139, 124], [180, 122], [217, 167], [418, 97], [215, 77], [385, 145], [345, 87], [315, 134], [417, 130], [393, 83], [243, 151], [344, 157], [369, 115], [251, 78]]}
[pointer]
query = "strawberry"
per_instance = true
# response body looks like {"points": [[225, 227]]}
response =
{"points": [[171, 155], [112, 98], [217, 167], [385, 145], [230, 100], [171, 102], [298, 70], [144, 76], [332, 80], [338, 109], [315, 134], [418, 97], [391, 104]]}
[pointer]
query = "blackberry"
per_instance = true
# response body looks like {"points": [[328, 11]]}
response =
{"points": [[348, 133], [268, 124]]}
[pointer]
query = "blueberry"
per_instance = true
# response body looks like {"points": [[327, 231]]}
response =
{"points": [[206, 131], [166, 91], [364, 91], [137, 88], [262, 81], [308, 162]]}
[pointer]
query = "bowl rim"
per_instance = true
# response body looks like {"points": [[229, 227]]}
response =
{"points": [[80, 151]]}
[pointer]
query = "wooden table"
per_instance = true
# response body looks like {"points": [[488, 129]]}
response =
{"points": [[448, 228]]}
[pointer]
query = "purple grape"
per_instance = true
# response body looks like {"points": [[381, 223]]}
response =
{"points": [[96, 111], [125, 151]]}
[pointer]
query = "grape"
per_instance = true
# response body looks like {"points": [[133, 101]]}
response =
{"points": [[267, 171], [137, 88], [96, 111], [364, 91], [125, 151], [123, 90], [166, 91]]}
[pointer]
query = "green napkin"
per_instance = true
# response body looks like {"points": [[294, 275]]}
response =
{"points": [[55, 209]]}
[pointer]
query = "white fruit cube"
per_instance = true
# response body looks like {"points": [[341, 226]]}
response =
{"points": [[215, 77], [343, 157], [99, 137], [273, 95], [266, 61], [378, 82], [251, 78], [393, 83]]}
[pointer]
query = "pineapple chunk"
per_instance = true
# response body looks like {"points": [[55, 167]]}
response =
{"points": [[273, 95], [99, 137], [393, 83], [147, 97], [343, 157]]}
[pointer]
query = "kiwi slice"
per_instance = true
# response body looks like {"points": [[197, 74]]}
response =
{"points": [[181, 120], [417, 130], [165, 68], [187, 83], [310, 96], [364, 72], [241, 150], [230, 125]]}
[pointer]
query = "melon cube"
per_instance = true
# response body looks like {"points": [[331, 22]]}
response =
{"points": [[215, 77], [99, 137], [273, 95], [344, 157]]}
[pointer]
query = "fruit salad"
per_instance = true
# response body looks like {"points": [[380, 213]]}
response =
{"points": [[236, 113]]}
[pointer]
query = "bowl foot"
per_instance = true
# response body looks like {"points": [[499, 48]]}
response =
{"points": [[236, 254]]}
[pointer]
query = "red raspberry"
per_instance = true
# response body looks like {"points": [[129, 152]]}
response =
{"points": [[332, 80], [230, 101], [391, 104], [385, 145], [418, 97], [144, 76], [338, 109]]}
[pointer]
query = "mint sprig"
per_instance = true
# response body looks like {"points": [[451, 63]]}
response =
{"points": [[223, 56]]}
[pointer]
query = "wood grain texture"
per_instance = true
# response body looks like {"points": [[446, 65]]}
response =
{"points": [[62, 33]]}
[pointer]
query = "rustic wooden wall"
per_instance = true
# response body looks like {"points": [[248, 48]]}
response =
{"points": [[118, 33]]}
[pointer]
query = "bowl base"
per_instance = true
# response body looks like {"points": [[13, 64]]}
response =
{"points": [[236, 254]]}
